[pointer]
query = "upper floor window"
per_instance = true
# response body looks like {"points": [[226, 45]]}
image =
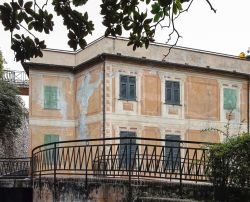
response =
{"points": [[127, 87], [50, 97], [172, 92], [230, 99]]}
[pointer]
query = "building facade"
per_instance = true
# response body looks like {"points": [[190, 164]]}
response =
{"points": [[108, 90]]}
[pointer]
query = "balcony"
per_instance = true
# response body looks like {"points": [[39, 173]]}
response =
{"points": [[17, 78]]}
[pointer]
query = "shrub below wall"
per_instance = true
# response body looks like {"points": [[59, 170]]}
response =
{"points": [[230, 168]]}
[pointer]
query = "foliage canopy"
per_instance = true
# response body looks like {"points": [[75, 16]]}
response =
{"points": [[140, 18], [1, 63], [11, 107]]}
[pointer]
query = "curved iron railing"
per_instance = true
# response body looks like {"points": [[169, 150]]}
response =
{"points": [[14, 167], [138, 158]]}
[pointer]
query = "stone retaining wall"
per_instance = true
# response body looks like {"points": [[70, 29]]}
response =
{"points": [[115, 190]]}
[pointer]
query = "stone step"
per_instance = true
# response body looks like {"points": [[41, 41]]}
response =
{"points": [[149, 199], [10, 183]]}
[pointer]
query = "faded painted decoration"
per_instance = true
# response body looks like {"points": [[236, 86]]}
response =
{"points": [[85, 91], [50, 97], [230, 99]]}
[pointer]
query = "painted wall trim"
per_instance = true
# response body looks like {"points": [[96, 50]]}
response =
{"points": [[52, 122], [159, 121]]}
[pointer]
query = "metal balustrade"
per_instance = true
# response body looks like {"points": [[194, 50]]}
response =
{"points": [[14, 167], [18, 78], [133, 158]]}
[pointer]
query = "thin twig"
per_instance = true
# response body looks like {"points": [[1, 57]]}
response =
{"points": [[211, 6], [27, 30], [173, 31], [185, 10], [45, 4]]}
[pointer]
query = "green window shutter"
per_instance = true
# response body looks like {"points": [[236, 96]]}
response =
{"points": [[49, 138], [230, 99], [49, 153], [54, 138], [50, 97]]}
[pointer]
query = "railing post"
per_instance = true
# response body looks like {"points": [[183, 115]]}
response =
{"points": [[86, 169], [55, 167], [180, 170], [129, 171], [40, 185], [32, 169]]}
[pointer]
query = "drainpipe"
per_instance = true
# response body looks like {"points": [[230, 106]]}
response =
{"points": [[104, 97], [248, 118], [104, 113]]}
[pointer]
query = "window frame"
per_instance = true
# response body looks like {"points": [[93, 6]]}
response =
{"points": [[174, 163], [172, 89], [49, 150], [128, 87], [47, 100], [126, 163], [236, 99]]}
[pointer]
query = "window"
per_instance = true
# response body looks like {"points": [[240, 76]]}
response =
{"points": [[48, 138], [127, 150], [127, 87], [50, 97], [172, 152], [230, 99], [49, 153], [172, 92]]}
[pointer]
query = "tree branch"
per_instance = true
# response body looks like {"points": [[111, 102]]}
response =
{"points": [[185, 10], [173, 31], [27, 30], [211, 6]]}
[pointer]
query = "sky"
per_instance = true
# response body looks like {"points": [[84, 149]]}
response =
{"points": [[227, 31]]}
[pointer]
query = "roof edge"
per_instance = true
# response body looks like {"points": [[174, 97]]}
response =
{"points": [[104, 56], [152, 43]]}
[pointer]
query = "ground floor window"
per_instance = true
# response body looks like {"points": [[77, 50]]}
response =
{"points": [[127, 150], [172, 152], [49, 153]]}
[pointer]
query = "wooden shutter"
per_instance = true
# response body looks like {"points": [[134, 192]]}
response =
{"points": [[49, 138], [230, 99], [125, 150], [176, 92], [50, 97], [132, 88], [123, 87], [172, 92], [172, 152], [49, 153], [127, 87]]}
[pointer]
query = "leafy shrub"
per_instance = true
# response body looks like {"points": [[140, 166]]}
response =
{"points": [[230, 166]]}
